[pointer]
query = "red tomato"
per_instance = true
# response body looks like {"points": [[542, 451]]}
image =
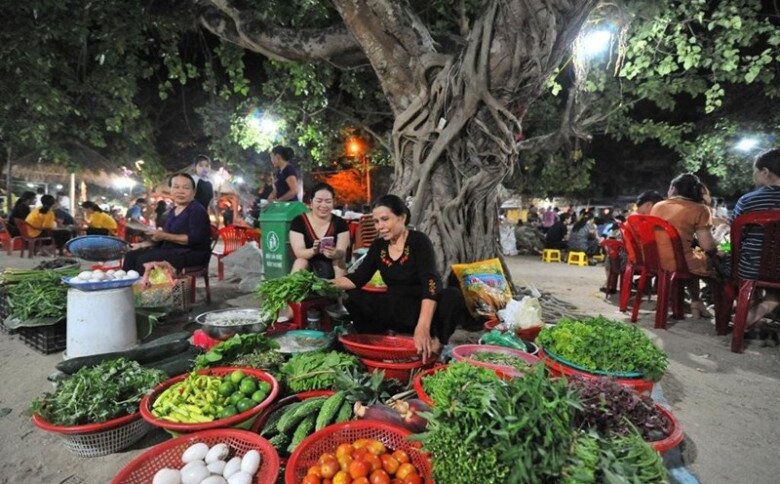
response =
{"points": [[379, 477], [361, 480], [314, 471], [360, 454], [330, 481], [395, 480], [311, 479], [376, 447], [404, 470], [359, 468], [329, 468], [401, 456], [374, 461], [390, 464], [345, 461], [360, 443], [344, 449], [413, 479], [326, 456], [342, 477]]}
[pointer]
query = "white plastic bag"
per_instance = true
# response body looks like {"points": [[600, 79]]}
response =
{"points": [[523, 314]]}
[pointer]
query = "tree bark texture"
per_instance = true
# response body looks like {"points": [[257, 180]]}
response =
{"points": [[457, 113]]}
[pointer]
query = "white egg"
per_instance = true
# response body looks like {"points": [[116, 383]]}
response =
{"points": [[240, 478], [110, 272], [98, 275], [195, 452], [194, 474], [251, 462], [218, 452], [214, 480], [133, 273], [167, 476], [85, 274], [95, 279], [128, 277], [97, 271], [120, 273], [216, 467], [193, 463], [233, 466]]}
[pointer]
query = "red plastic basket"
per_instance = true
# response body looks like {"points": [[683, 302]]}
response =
{"points": [[464, 352], [98, 439], [327, 439], [240, 419], [558, 369], [380, 346], [141, 470], [400, 371], [675, 436]]}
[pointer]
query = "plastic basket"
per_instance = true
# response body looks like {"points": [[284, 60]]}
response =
{"points": [[44, 339], [617, 374], [95, 440], [141, 470], [97, 248], [243, 419], [675, 436], [400, 371], [417, 384], [99, 286], [464, 353], [329, 438], [380, 347], [558, 369]]}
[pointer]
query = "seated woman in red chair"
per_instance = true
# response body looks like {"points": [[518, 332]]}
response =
{"points": [[185, 240], [686, 211], [766, 196]]}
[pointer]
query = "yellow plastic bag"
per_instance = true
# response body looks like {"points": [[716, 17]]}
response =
{"points": [[484, 287]]}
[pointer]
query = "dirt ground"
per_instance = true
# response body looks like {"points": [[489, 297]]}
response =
{"points": [[726, 402]]}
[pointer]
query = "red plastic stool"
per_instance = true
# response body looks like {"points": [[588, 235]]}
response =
{"points": [[300, 309]]}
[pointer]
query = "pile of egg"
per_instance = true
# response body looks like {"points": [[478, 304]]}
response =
{"points": [[104, 276]]}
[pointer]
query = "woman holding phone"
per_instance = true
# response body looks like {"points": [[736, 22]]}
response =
{"points": [[318, 238]]}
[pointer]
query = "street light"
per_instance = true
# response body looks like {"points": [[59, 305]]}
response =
{"points": [[356, 148], [746, 144], [124, 182], [593, 43]]}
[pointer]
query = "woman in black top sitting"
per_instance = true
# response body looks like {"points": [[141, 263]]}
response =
{"points": [[21, 210], [318, 238], [414, 302]]}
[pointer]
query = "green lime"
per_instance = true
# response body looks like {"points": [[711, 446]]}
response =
{"points": [[245, 405], [247, 386], [259, 396], [236, 397], [226, 388], [228, 411], [237, 376], [264, 386]]}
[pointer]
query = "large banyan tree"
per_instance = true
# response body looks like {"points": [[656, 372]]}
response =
{"points": [[458, 100]]}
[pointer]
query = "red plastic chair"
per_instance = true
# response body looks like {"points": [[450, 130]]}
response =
{"points": [[634, 264], [30, 242], [612, 249], [648, 227], [9, 242], [233, 237], [768, 271]]}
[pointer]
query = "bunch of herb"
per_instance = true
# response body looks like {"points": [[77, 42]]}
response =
{"points": [[36, 293], [497, 431], [230, 349], [96, 394], [316, 370], [268, 360], [625, 459], [276, 294], [612, 409], [602, 344], [456, 379], [501, 359], [368, 388]]}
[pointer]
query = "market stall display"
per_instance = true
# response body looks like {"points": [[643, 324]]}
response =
{"points": [[506, 361], [303, 340], [225, 323]]}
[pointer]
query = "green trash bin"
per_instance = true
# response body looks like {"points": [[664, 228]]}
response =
{"points": [[275, 226]]}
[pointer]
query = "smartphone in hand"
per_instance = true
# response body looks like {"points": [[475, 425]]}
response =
{"points": [[327, 243]]}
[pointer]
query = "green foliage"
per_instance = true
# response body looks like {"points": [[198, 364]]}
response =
{"points": [[626, 459]]}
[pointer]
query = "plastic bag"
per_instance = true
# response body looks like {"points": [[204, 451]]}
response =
{"points": [[506, 339], [484, 287], [523, 314]]}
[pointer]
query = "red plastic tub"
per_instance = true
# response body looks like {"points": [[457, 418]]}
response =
{"points": [[558, 369], [380, 346], [241, 419], [675, 436], [464, 352], [400, 371]]}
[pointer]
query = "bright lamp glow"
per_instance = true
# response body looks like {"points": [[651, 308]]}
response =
{"points": [[239, 180], [124, 182], [59, 186], [30, 185], [746, 144], [594, 43], [263, 124]]}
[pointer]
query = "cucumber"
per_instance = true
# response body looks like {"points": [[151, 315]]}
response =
{"points": [[177, 364], [150, 351]]}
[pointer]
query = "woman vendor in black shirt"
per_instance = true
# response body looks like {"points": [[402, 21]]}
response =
{"points": [[414, 302]]}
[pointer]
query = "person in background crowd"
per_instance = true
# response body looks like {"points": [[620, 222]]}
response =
{"points": [[135, 214], [41, 222], [555, 238], [98, 222], [227, 214], [185, 240], [204, 191], [646, 200], [766, 196], [685, 210], [160, 213], [583, 237], [39, 193], [528, 239], [266, 187], [287, 177], [63, 201], [548, 219], [20, 211], [64, 218]]}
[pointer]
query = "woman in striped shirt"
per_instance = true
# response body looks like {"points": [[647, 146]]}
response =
{"points": [[766, 176]]}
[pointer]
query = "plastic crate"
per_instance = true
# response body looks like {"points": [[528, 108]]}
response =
{"points": [[44, 339]]}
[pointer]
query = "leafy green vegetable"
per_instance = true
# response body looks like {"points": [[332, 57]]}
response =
{"points": [[457, 378], [230, 349], [96, 394], [268, 360], [602, 344], [626, 459], [277, 293], [368, 388], [36, 293], [316, 370], [502, 359]]}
